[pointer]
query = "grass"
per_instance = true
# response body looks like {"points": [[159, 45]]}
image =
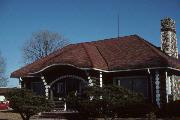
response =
{"points": [[9, 115]]}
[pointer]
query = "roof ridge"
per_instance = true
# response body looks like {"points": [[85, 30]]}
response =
{"points": [[83, 45], [104, 39], [101, 55]]}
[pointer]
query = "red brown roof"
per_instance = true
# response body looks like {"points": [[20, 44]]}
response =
{"points": [[129, 52]]}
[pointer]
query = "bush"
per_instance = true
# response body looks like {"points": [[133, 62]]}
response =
{"points": [[172, 109], [27, 104], [139, 109], [109, 101]]}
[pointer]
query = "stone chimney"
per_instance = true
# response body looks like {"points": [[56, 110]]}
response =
{"points": [[168, 37]]}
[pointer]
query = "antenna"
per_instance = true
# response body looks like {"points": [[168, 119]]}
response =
{"points": [[118, 25]]}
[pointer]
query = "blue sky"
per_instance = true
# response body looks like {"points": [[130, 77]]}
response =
{"points": [[78, 21]]}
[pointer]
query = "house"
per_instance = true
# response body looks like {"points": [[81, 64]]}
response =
{"points": [[4, 91], [129, 61]]}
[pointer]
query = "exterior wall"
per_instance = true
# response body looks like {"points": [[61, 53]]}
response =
{"points": [[157, 92], [52, 74], [174, 84], [165, 86], [109, 76], [108, 79], [163, 92], [28, 84], [4, 90], [176, 87], [160, 91]]}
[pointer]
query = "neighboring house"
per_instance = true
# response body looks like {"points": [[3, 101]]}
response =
{"points": [[128, 61], [5, 90]]}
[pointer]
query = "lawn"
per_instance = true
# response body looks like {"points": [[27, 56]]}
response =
{"points": [[7, 115]]}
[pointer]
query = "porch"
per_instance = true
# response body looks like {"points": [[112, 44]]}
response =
{"points": [[58, 81]]}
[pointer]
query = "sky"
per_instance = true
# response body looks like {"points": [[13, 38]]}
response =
{"points": [[79, 21]]}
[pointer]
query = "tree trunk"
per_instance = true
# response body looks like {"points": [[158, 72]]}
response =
{"points": [[25, 117], [28, 117], [22, 116]]}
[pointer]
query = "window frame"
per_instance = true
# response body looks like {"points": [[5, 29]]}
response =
{"points": [[117, 81]]}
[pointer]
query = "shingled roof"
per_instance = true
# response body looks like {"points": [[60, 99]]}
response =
{"points": [[129, 52]]}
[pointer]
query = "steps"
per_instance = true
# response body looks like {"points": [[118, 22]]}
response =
{"points": [[59, 106], [60, 115]]}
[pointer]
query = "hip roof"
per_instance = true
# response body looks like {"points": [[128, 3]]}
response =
{"points": [[129, 52]]}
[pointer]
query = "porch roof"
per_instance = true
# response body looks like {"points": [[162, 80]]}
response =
{"points": [[129, 52]]}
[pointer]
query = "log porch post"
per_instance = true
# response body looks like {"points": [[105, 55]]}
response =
{"points": [[157, 84], [46, 87], [168, 86], [100, 79]]}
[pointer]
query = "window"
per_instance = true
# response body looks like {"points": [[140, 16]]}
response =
{"points": [[135, 84], [38, 88]]}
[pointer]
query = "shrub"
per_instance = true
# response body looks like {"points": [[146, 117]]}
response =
{"points": [[172, 109], [109, 101], [27, 104], [139, 109]]}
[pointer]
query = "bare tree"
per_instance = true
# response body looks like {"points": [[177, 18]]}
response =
{"points": [[3, 79], [41, 44]]}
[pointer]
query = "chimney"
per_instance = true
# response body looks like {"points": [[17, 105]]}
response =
{"points": [[168, 37]]}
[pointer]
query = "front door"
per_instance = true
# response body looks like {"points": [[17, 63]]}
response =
{"points": [[58, 90], [72, 85], [63, 87]]}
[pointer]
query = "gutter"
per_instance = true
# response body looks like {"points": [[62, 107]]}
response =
{"points": [[103, 70]]}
